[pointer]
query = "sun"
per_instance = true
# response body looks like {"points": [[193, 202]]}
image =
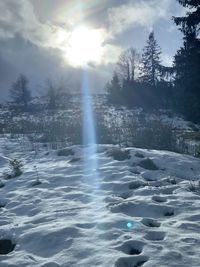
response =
{"points": [[85, 46]]}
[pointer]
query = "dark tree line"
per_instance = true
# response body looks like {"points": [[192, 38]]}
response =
{"points": [[20, 95], [187, 62], [141, 81], [145, 82]]}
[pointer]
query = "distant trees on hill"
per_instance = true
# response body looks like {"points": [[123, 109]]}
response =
{"points": [[53, 95], [56, 95], [141, 81], [114, 90], [151, 85], [19, 92]]}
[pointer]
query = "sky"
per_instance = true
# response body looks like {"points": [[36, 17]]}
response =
{"points": [[56, 39]]}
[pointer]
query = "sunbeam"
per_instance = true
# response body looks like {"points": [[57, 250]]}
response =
{"points": [[89, 137]]}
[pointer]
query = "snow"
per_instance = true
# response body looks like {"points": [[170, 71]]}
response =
{"points": [[119, 214]]}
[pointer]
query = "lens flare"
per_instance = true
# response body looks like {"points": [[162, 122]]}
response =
{"points": [[89, 137], [85, 46], [129, 225]]}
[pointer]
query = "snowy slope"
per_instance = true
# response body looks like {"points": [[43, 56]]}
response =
{"points": [[119, 214]]}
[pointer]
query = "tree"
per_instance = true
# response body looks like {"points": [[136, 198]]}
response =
{"points": [[55, 94], [114, 90], [20, 93], [189, 24], [127, 69], [127, 65], [150, 62], [187, 62]]}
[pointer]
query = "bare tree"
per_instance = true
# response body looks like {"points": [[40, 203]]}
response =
{"points": [[56, 94], [20, 93], [128, 64]]}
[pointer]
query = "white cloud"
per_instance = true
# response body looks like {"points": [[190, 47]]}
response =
{"points": [[144, 13], [167, 60], [19, 17]]}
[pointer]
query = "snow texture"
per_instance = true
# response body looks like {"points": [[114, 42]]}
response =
{"points": [[119, 214]]}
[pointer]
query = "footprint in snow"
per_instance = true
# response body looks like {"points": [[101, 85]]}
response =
{"points": [[132, 261], [168, 190], [149, 222], [85, 225], [132, 247], [3, 203], [6, 246], [159, 199], [126, 195], [155, 236], [50, 264], [135, 185], [142, 209], [169, 212]]}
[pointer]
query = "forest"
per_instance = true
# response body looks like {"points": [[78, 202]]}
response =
{"points": [[142, 80]]}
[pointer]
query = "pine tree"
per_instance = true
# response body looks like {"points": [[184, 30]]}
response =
{"points": [[187, 62], [150, 63], [20, 93], [190, 24], [114, 90]]}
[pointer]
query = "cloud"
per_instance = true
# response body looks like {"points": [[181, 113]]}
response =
{"points": [[35, 35], [167, 60], [19, 17], [134, 14]]}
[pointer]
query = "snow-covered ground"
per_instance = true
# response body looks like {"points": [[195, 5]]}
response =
{"points": [[118, 214]]}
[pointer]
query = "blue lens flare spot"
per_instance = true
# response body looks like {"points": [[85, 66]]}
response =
{"points": [[129, 225]]}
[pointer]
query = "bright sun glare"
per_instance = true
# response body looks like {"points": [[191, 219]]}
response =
{"points": [[85, 45]]}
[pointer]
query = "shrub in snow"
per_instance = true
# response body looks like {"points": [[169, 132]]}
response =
{"points": [[37, 182], [194, 186], [154, 134], [15, 166], [148, 164], [119, 154], [66, 152], [171, 180], [197, 153]]}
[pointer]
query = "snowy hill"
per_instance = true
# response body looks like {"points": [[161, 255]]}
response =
{"points": [[137, 208]]}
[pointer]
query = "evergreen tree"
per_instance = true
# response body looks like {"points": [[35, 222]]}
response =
{"points": [[187, 62], [114, 90], [190, 24], [20, 93], [150, 62]]}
